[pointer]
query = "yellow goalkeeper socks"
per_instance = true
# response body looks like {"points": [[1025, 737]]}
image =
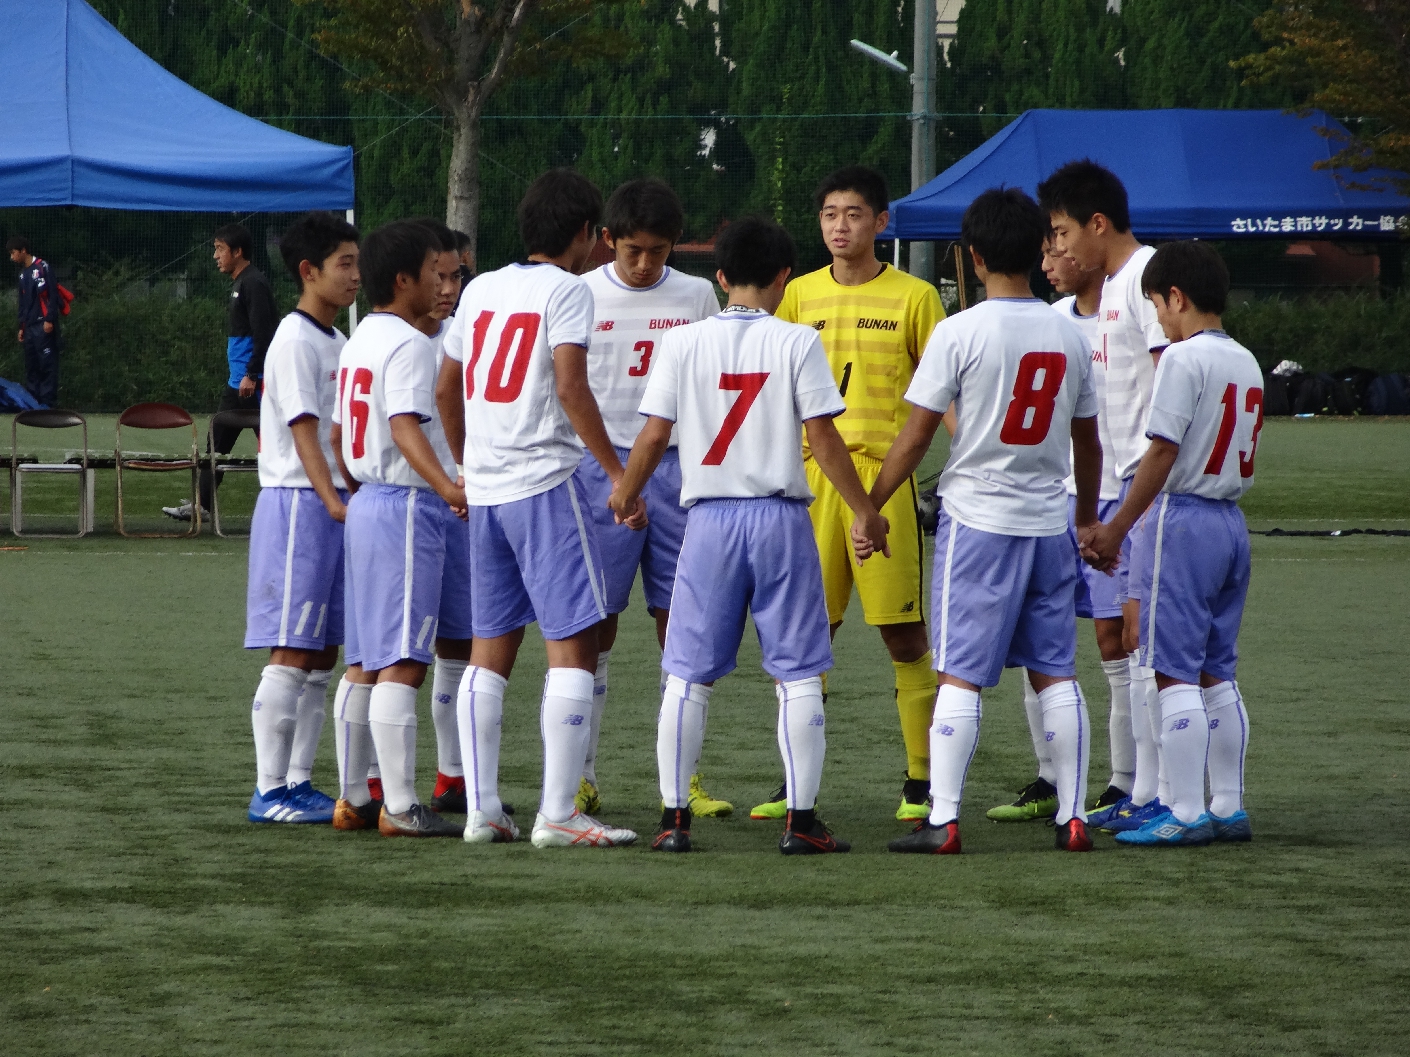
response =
{"points": [[915, 701]]}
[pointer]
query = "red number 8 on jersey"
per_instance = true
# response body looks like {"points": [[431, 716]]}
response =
{"points": [[1030, 414]]}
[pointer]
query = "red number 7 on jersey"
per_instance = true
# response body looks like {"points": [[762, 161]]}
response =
{"points": [[748, 386]]}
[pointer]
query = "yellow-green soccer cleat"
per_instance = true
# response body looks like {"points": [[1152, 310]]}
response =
{"points": [[587, 801], [703, 805], [1037, 800], [915, 800], [775, 806]]}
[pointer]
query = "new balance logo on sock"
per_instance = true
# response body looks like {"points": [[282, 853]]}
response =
{"points": [[443, 698], [1049, 735], [816, 721], [572, 721], [946, 730], [1214, 724], [257, 707], [1180, 724]]}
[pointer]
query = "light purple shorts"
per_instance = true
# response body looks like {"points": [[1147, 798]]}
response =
{"points": [[456, 616], [394, 556], [1194, 559], [656, 549], [537, 559], [295, 592], [1123, 567], [1002, 602], [1097, 593], [744, 556]]}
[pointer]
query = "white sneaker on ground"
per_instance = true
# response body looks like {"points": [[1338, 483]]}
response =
{"points": [[182, 511], [579, 831], [481, 828]]}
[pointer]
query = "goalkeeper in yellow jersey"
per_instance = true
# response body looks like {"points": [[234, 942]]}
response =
{"points": [[874, 322]]}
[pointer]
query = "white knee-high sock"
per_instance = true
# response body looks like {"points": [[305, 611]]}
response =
{"points": [[680, 732], [599, 700], [445, 687], [1122, 741], [273, 717], [308, 728], [1065, 722], [1228, 744], [353, 739], [1034, 711], [954, 735], [1146, 783], [802, 739], [1153, 712], [480, 711], [391, 714], [1185, 735], [565, 719]]}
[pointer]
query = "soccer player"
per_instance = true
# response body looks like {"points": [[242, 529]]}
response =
{"points": [[637, 298], [1020, 378], [740, 387], [294, 600], [874, 322], [1096, 591], [1091, 223], [520, 337], [396, 531], [1193, 558]]}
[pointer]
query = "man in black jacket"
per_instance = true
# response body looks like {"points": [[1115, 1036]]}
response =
{"points": [[40, 309], [253, 319]]}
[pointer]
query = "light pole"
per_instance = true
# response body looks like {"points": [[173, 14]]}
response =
{"points": [[922, 115]]}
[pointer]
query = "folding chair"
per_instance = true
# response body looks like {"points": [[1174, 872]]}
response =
{"points": [[222, 464], [158, 416], [78, 466]]}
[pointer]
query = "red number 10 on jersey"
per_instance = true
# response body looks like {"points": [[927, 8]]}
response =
{"points": [[505, 380]]}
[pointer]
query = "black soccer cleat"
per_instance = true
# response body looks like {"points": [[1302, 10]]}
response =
{"points": [[347, 817], [1111, 795], [1072, 835], [419, 821], [675, 831], [926, 839], [449, 795], [806, 834]]}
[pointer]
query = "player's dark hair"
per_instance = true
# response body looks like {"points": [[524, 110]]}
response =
{"points": [[462, 241], [17, 242], [398, 248], [237, 237], [314, 237], [554, 210], [646, 206], [1083, 188], [859, 179], [1196, 268], [445, 237], [752, 251], [1006, 227]]}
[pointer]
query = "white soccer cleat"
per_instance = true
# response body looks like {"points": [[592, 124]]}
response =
{"points": [[580, 831], [481, 828]]}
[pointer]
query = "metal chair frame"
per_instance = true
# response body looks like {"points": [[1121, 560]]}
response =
{"points": [[48, 419], [241, 418], [155, 416]]}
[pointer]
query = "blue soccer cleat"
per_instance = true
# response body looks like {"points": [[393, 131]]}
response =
{"points": [[1102, 817], [1167, 831], [305, 797], [1233, 829], [1133, 818], [279, 806]]}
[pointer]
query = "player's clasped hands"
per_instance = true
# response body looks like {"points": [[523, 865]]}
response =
{"points": [[629, 511], [1100, 546], [869, 533]]}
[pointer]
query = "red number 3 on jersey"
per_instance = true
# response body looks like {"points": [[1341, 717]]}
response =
{"points": [[1030, 413]]}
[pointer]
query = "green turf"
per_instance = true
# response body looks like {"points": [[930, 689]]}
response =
{"points": [[142, 915]]}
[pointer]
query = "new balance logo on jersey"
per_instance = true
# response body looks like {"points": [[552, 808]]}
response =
{"points": [[666, 324], [816, 721], [876, 324], [818, 324], [604, 324], [572, 721]]}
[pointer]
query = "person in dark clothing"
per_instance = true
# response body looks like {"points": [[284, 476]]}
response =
{"points": [[253, 319], [466, 253], [40, 309]]}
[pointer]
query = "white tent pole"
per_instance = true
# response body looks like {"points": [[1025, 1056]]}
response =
{"points": [[897, 263], [352, 308]]}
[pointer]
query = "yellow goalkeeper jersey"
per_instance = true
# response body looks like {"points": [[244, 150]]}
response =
{"points": [[874, 335]]}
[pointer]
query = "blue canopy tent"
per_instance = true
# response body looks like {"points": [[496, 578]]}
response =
{"points": [[89, 120], [1213, 174]]}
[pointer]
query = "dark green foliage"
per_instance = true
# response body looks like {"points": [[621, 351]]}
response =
{"points": [[1326, 334]]}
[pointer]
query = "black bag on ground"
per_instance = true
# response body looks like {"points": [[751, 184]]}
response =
{"points": [[1314, 395], [1276, 399], [1387, 394]]}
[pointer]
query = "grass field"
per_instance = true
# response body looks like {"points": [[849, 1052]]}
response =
{"points": [[140, 913]]}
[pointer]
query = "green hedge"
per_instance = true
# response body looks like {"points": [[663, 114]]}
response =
{"points": [[1326, 334]]}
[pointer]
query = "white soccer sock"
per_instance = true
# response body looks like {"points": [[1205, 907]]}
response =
{"points": [[480, 711], [802, 739], [1228, 743], [353, 738], [273, 716], [599, 700], [1065, 723], [308, 727], [1185, 735], [565, 718], [680, 732], [954, 735], [1034, 711], [391, 713], [1122, 741], [1146, 783], [445, 687], [1154, 713]]}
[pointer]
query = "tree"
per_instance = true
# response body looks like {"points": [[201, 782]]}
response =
{"points": [[1179, 53], [1348, 57]]}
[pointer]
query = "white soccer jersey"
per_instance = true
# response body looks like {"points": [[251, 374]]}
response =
{"points": [[300, 378], [435, 429], [1018, 374], [1110, 483], [518, 440], [1128, 330], [387, 368], [627, 327], [1208, 399], [739, 387]]}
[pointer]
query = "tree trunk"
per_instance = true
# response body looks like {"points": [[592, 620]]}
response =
{"points": [[463, 177]]}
